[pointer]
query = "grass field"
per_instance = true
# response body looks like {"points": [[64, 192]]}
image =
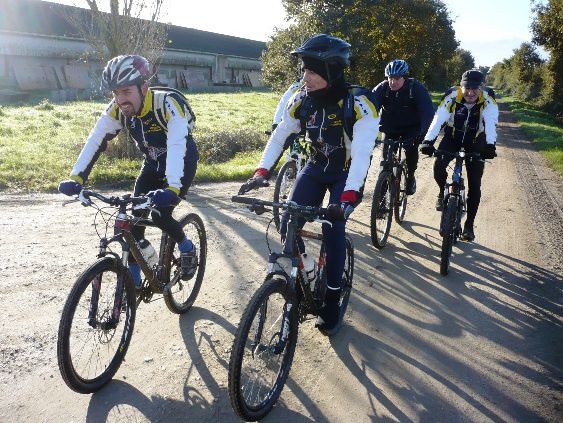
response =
{"points": [[40, 143]]}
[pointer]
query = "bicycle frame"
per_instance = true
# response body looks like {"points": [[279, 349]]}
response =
{"points": [[297, 282], [123, 236]]}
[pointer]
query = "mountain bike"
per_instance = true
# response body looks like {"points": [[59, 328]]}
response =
{"points": [[99, 314], [295, 160], [390, 193], [454, 206], [265, 340]]}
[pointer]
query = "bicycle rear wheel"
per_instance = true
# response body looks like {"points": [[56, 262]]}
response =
{"points": [[284, 184], [260, 362], [447, 230], [92, 342], [179, 295], [381, 209], [347, 277], [400, 200]]}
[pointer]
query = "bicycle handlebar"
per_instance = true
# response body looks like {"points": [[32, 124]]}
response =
{"points": [[292, 207], [457, 154]]}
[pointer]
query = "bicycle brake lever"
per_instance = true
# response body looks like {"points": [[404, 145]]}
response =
{"points": [[328, 222], [84, 200], [258, 209]]}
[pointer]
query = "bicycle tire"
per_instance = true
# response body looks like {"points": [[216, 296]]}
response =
{"points": [[347, 277], [382, 209], [69, 358], [282, 190], [400, 199], [240, 387], [177, 294], [447, 228]]}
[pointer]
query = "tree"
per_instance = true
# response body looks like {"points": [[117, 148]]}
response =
{"points": [[547, 30], [418, 31], [122, 31], [461, 61]]}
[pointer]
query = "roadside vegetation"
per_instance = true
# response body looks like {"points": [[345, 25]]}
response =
{"points": [[540, 127], [39, 143]]}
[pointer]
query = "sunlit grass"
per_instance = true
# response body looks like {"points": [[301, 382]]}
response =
{"points": [[39, 143]]}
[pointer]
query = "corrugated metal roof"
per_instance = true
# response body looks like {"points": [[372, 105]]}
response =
{"points": [[46, 18]]}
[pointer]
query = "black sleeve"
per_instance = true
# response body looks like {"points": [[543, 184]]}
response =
{"points": [[378, 93], [424, 106]]}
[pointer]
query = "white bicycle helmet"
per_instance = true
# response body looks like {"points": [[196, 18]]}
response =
{"points": [[124, 71], [396, 68]]}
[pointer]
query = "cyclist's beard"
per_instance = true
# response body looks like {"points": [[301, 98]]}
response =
{"points": [[127, 109]]}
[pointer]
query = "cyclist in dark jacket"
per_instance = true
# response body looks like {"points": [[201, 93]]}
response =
{"points": [[406, 113], [469, 114], [161, 123], [340, 153]]}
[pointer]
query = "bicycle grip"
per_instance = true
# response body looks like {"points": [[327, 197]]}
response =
{"points": [[244, 200]]}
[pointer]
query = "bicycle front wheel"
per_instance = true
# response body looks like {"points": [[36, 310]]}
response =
{"points": [[400, 205], [260, 359], [381, 210], [96, 326], [447, 230], [347, 277], [179, 295], [284, 184]]}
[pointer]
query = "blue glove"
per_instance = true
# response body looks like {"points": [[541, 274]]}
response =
{"points": [[70, 187], [163, 197]]}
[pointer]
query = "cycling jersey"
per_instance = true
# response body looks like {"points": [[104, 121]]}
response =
{"points": [[332, 148], [406, 112], [162, 131], [466, 125]]}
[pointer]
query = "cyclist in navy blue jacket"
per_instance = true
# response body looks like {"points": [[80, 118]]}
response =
{"points": [[406, 113], [341, 149]]}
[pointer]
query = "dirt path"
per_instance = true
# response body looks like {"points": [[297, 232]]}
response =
{"points": [[482, 344]]}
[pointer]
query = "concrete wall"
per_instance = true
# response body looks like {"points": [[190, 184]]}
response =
{"points": [[29, 63]]}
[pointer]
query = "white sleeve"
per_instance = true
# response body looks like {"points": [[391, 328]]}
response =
{"points": [[106, 128], [175, 143], [441, 116], [365, 133], [288, 125], [293, 88], [490, 117]]}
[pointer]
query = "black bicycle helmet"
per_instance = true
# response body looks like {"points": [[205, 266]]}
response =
{"points": [[124, 71], [396, 68], [326, 48]]}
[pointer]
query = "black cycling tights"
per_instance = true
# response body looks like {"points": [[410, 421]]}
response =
{"points": [[149, 180], [474, 171]]}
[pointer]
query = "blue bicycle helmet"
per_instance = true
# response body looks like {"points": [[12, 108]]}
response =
{"points": [[396, 68]]}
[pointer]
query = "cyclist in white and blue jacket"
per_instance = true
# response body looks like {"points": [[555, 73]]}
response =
{"points": [[341, 124], [469, 115], [161, 122]]}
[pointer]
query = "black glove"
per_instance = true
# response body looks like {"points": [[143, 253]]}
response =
{"points": [[490, 152], [70, 187], [253, 183], [427, 147], [339, 211]]}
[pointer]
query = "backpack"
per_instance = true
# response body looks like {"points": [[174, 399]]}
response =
{"points": [[159, 99]]}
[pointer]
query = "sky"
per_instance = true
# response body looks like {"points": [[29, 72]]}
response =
{"points": [[489, 29]]}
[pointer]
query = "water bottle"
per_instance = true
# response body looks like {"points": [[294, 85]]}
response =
{"points": [[149, 253], [309, 267]]}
